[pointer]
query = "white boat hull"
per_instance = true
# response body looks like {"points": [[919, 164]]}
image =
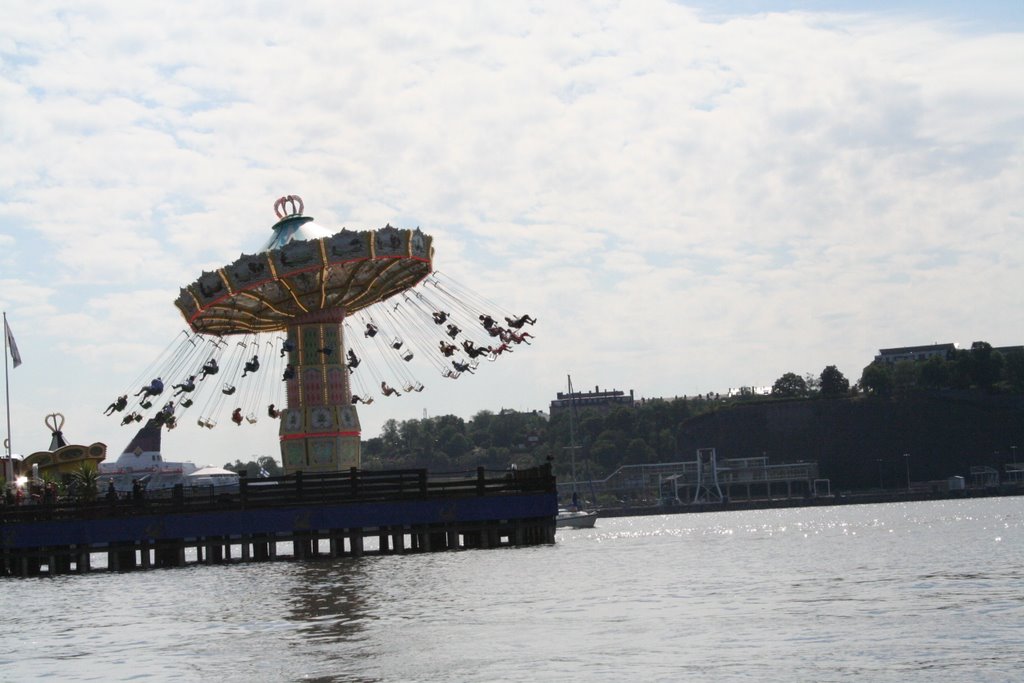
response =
{"points": [[579, 519]]}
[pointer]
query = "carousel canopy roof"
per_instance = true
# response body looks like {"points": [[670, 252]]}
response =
{"points": [[306, 271]]}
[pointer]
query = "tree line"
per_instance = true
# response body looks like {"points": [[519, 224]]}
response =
{"points": [[653, 429]]}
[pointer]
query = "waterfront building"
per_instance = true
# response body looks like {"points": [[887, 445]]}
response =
{"points": [[602, 401]]}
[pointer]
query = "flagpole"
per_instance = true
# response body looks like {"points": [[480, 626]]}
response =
{"points": [[9, 465]]}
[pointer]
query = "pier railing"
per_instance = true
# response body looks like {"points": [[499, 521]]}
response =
{"points": [[299, 490]]}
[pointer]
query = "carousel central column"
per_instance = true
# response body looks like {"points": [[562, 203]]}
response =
{"points": [[320, 427]]}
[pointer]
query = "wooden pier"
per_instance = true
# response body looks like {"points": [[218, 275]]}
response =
{"points": [[296, 517]]}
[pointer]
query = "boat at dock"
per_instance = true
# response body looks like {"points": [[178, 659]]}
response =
{"points": [[574, 516], [142, 465], [575, 519]]}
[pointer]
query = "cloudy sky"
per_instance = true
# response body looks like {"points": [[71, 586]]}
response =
{"points": [[688, 196]]}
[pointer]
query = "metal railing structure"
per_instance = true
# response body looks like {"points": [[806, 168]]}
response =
{"points": [[707, 479]]}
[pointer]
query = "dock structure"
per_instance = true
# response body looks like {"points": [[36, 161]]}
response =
{"points": [[298, 517], [708, 479]]}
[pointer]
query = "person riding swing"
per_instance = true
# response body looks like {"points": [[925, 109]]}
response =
{"points": [[186, 386], [520, 321], [117, 406], [210, 367], [252, 365], [155, 388]]}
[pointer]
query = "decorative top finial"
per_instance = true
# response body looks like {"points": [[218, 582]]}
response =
{"points": [[289, 206], [55, 421]]}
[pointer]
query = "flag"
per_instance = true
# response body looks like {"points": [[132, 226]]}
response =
{"points": [[15, 356]]}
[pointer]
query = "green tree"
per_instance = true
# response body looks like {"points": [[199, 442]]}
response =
{"points": [[84, 480], [934, 374], [876, 379], [905, 376], [961, 370], [269, 465], [456, 445], [833, 383], [790, 385], [1013, 370], [638, 453], [391, 440], [986, 365]]}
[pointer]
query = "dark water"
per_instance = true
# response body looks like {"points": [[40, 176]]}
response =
{"points": [[898, 592]]}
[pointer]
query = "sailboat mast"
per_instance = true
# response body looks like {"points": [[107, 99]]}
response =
{"points": [[572, 432]]}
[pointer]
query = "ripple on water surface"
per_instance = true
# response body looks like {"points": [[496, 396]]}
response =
{"points": [[915, 591]]}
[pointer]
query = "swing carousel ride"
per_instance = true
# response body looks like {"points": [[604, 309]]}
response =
{"points": [[321, 321]]}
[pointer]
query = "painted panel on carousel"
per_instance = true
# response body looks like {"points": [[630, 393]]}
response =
{"points": [[291, 421], [347, 246], [209, 287], [421, 244], [321, 419], [186, 303], [310, 344], [330, 336], [321, 452], [296, 256], [389, 241], [312, 386], [292, 387], [247, 271], [336, 376], [348, 452], [348, 418], [294, 453]]}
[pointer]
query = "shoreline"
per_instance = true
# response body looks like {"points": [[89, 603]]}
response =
{"points": [[864, 498]]}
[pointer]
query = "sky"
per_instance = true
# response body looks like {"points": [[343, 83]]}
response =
{"points": [[689, 197]]}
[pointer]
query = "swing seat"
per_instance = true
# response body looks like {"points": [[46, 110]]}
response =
{"points": [[447, 373], [187, 403], [200, 422], [227, 390], [146, 404], [250, 418], [418, 387], [397, 343], [210, 424], [408, 388], [407, 356]]}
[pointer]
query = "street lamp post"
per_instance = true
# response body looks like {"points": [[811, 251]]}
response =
{"points": [[906, 460]]}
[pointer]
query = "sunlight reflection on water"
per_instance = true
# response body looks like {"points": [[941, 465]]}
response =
{"points": [[881, 592]]}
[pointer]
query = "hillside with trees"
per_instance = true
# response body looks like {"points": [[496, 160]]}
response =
{"points": [[946, 414]]}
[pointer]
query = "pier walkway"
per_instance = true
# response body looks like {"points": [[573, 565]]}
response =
{"points": [[295, 517]]}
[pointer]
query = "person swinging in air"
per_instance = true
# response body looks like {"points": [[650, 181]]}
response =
{"points": [[252, 365], [520, 321], [210, 367], [117, 406], [155, 388], [186, 386]]}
